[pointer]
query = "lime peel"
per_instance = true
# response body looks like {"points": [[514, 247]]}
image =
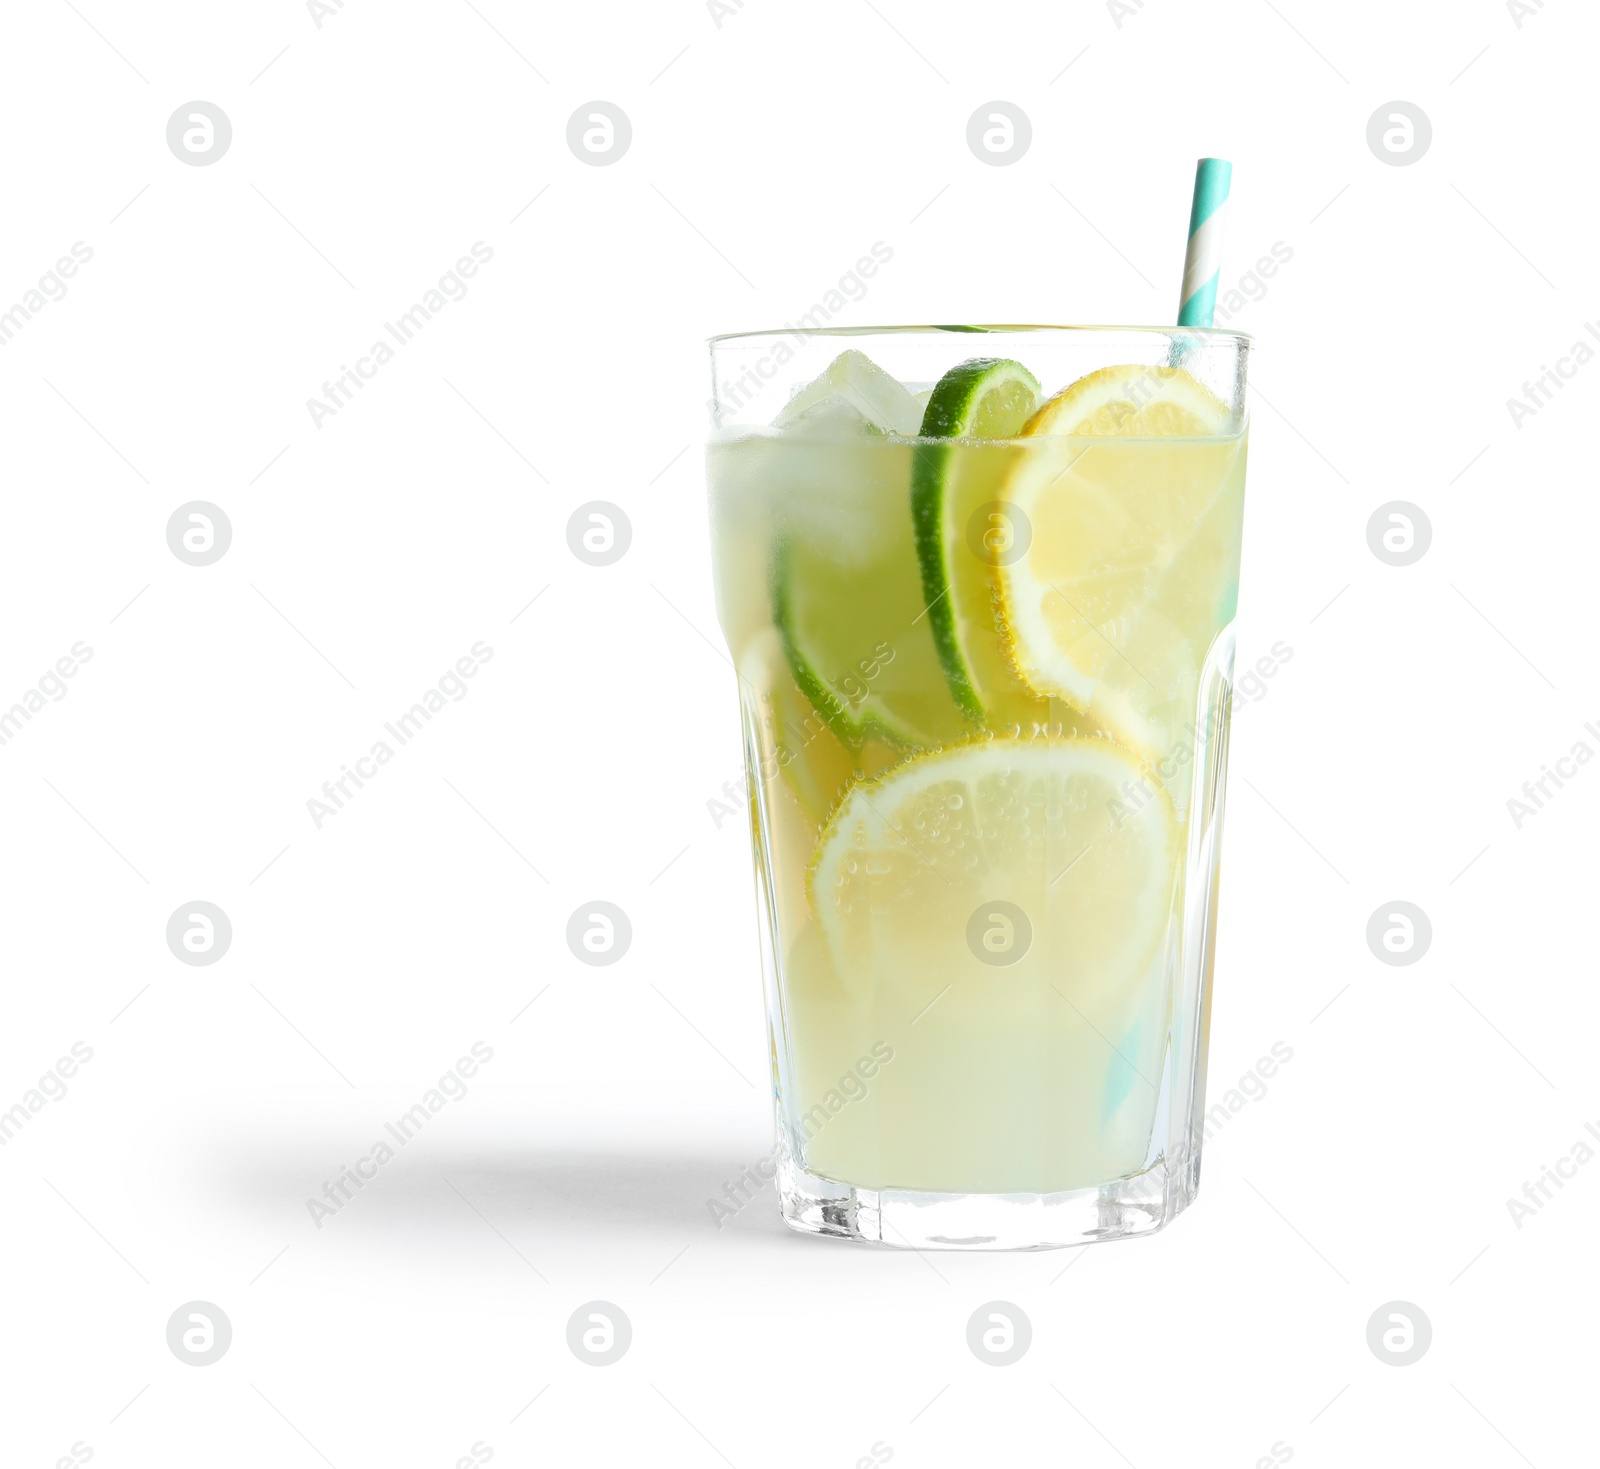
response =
{"points": [[984, 397]]}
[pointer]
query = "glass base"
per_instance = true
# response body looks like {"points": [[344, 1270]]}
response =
{"points": [[910, 1220]]}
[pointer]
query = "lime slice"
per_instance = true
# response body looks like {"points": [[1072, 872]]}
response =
{"points": [[849, 611], [797, 745], [1061, 849], [982, 398], [1132, 491], [986, 398], [846, 592]]}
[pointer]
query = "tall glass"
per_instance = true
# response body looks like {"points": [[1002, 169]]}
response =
{"points": [[978, 585]]}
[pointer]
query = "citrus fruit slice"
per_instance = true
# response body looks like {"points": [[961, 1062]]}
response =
{"points": [[851, 624], [1132, 491], [1027, 862], [961, 529], [1136, 400], [796, 745]]}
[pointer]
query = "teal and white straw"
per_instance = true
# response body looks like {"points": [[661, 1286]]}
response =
{"points": [[1212, 179]]}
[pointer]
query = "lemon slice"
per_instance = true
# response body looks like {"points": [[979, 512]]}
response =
{"points": [[1153, 402], [1132, 495], [1019, 863]]}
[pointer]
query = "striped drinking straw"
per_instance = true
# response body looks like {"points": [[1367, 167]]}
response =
{"points": [[1212, 177]]}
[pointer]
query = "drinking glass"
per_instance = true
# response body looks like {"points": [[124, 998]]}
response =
{"points": [[978, 585]]}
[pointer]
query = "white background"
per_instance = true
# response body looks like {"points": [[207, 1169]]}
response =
{"points": [[768, 154]]}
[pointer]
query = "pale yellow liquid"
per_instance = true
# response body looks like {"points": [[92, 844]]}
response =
{"points": [[927, 1070]]}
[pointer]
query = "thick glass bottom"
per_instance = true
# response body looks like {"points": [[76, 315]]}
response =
{"points": [[905, 1219]]}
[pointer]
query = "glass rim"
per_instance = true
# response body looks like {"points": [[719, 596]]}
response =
{"points": [[1205, 333]]}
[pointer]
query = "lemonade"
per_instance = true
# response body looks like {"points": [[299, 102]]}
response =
{"points": [[980, 613]]}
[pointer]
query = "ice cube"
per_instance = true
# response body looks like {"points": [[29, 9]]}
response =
{"points": [[832, 417], [853, 384]]}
